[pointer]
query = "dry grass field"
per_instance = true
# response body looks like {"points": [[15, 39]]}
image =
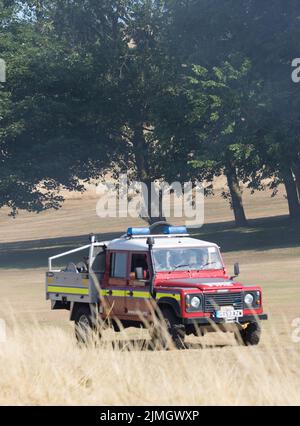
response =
{"points": [[41, 364]]}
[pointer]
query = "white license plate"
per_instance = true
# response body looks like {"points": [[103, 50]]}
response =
{"points": [[229, 313]]}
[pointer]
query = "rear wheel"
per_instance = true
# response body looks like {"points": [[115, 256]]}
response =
{"points": [[167, 331], [250, 335], [85, 325]]}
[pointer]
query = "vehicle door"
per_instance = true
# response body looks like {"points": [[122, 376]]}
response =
{"points": [[115, 284], [138, 290]]}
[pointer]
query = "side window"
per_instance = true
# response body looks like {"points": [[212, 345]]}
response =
{"points": [[118, 265], [100, 258]]}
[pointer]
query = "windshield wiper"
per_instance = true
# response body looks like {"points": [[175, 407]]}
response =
{"points": [[206, 264], [187, 264], [180, 266]]}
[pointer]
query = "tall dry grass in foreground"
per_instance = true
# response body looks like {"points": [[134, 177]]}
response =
{"points": [[43, 365]]}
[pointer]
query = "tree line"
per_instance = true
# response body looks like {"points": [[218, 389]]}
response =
{"points": [[160, 89]]}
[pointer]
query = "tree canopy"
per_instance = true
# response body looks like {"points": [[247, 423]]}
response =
{"points": [[159, 89]]}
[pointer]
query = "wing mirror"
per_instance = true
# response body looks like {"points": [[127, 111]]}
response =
{"points": [[236, 269]]}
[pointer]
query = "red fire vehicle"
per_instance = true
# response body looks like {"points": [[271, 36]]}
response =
{"points": [[154, 276]]}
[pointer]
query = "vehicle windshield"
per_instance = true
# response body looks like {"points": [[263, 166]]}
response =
{"points": [[187, 259]]}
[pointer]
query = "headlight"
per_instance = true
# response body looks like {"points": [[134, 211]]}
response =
{"points": [[249, 299], [195, 302]]}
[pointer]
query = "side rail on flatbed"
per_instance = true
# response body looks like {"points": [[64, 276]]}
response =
{"points": [[71, 284]]}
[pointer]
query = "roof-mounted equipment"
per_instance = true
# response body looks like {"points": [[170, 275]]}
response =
{"points": [[137, 231], [175, 230]]}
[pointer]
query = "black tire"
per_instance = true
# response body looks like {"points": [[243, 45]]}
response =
{"points": [[84, 325], [249, 336], [169, 332]]}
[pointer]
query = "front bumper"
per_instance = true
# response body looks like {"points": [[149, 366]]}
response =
{"points": [[210, 320]]}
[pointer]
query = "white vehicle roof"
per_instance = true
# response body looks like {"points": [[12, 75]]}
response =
{"points": [[140, 244]]}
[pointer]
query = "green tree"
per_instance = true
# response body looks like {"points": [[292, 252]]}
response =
{"points": [[263, 113], [49, 136], [103, 70]]}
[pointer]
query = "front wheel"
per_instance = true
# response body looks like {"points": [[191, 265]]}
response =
{"points": [[167, 331], [250, 335]]}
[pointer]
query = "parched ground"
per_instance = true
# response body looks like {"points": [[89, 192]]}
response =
{"points": [[268, 251]]}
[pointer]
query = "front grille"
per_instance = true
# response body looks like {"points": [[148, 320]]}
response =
{"points": [[215, 300]]}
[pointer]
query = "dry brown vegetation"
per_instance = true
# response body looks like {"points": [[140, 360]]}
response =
{"points": [[40, 362], [43, 365]]}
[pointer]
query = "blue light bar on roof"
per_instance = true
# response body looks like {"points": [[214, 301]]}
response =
{"points": [[138, 231], [171, 230]]}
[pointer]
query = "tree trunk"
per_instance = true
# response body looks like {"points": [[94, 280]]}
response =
{"points": [[151, 202], [292, 194], [236, 195], [296, 171]]}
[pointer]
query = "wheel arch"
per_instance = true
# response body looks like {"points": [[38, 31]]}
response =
{"points": [[75, 306], [170, 303]]}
